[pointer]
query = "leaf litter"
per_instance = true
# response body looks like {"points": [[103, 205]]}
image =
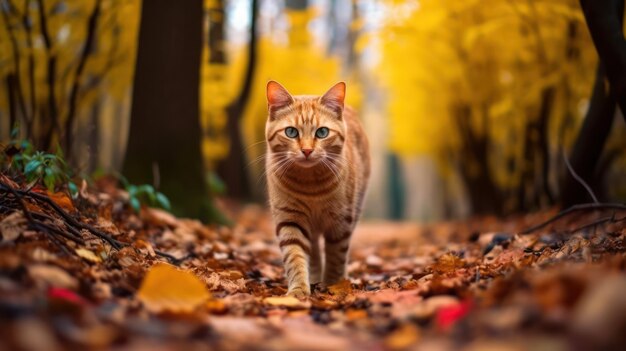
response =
{"points": [[176, 283]]}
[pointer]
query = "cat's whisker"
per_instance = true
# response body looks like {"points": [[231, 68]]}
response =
{"points": [[265, 155], [330, 167]]}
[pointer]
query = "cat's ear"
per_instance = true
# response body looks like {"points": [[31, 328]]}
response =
{"points": [[277, 96], [334, 97]]}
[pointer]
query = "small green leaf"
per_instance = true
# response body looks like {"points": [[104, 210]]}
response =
{"points": [[31, 166], [73, 189], [135, 204], [216, 185], [163, 201], [49, 180]]}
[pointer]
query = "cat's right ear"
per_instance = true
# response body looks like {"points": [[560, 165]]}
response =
{"points": [[277, 97]]}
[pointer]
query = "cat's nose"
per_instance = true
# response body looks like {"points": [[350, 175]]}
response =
{"points": [[307, 152]]}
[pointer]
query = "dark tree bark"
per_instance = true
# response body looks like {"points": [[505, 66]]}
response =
{"points": [[595, 130], [233, 168], [484, 195], [165, 125], [604, 19], [16, 81], [92, 25]]}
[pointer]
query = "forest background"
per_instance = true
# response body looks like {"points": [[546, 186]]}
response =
{"points": [[471, 107]]}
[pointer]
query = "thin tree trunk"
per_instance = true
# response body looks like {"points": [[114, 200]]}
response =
{"points": [[9, 83], [17, 81], [165, 124], [547, 101], [604, 19], [52, 124], [92, 25], [233, 169], [31, 67], [589, 143]]}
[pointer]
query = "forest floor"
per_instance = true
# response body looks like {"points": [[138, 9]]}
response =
{"points": [[90, 273]]}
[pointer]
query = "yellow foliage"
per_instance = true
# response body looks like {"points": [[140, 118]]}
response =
{"points": [[495, 57]]}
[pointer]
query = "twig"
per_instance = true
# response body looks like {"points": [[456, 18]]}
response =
{"points": [[599, 221], [579, 179], [35, 224], [573, 209], [116, 244]]}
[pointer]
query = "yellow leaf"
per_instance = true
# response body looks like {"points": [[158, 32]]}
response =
{"points": [[88, 255], [342, 288], [166, 288], [287, 301], [403, 337]]}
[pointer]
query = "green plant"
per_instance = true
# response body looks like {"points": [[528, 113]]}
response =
{"points": [[37, 166], [144, 194]]}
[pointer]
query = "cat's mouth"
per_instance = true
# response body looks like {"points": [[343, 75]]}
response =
{"points": [[308, 162]]}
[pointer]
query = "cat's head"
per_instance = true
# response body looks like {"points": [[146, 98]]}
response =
{"points": [[307, 130]]}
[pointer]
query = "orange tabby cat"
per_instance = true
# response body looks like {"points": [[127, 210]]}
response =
{"points": [[317, 171]]}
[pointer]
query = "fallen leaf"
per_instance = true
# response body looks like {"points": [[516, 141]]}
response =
{"points": [[402, 338], [449, 315], [448, 263], [216, 306], [341, 289], [66, 296], [166, 288], [12, 226], [88, 255], [52, 276], [62, 200], [287, 301]]}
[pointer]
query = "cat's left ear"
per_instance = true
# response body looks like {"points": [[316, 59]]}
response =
{"points": [[334, 98]]}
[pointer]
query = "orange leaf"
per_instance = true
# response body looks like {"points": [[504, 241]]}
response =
{"points": [[166, 288], [62, 200]]}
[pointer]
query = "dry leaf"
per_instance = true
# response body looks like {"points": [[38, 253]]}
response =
{"points": [[88, 255], [166, 288], [62, 200], [52, 275], [12, 226], [287, 301], [341, 289], [403, 337]]}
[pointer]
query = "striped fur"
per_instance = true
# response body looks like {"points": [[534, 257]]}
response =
{"points": [[318, 197]]}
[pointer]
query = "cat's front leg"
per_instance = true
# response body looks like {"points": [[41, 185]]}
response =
{"points": [[315, 262], [336, 246], [295, 246]]}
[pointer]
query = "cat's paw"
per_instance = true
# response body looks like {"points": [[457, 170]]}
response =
{"points": [[299, 293]]}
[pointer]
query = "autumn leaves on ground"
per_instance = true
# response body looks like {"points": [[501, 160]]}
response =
{"points": [[91, 272]]}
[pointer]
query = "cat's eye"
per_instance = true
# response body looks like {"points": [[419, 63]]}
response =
{"points": [[291, 132], [321, 132]]}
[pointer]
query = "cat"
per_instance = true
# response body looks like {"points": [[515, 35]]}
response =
{"points": [[317, 168]]}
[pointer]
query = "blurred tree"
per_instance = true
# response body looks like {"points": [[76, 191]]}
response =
{"points": [[60, 61], [233, 168], [496, 93], [593, 135], [230, 163], [604, 19], [164, 141]]}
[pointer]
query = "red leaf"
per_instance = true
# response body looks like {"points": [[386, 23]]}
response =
{"points": [[449, 315], [67, 296]]}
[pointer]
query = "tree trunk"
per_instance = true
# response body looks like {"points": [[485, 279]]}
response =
{"points": [[589, 143], [604, 19], [165, 126], [485, 196], [233, 168]]}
